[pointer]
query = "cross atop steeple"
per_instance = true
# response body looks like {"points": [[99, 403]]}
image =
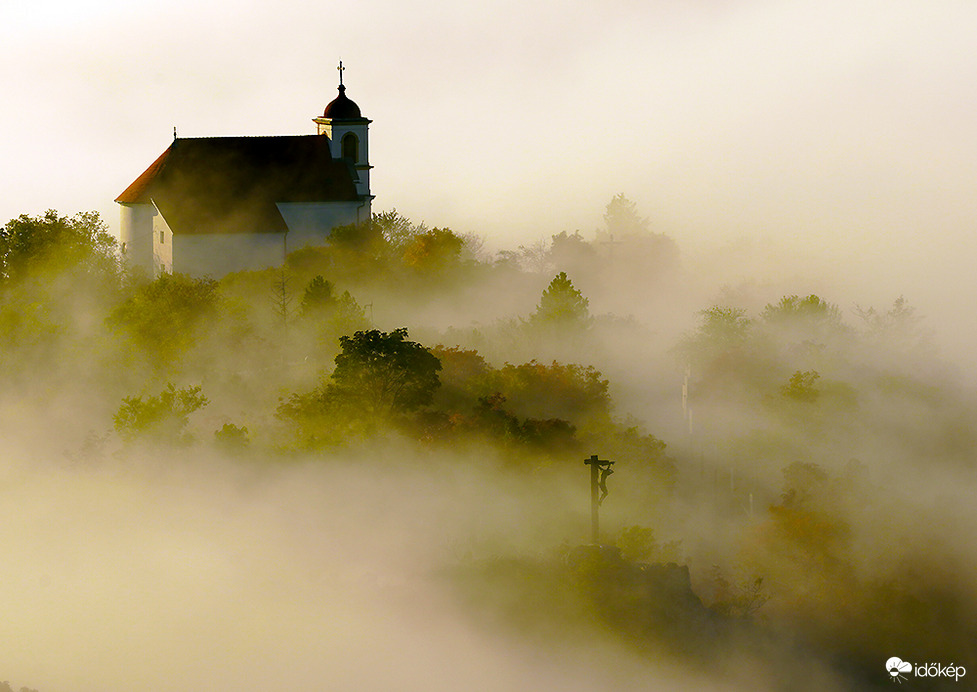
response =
{"points": [[340, 68]]}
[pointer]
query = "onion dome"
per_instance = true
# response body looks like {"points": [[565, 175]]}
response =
{"points": [[342, 108]]}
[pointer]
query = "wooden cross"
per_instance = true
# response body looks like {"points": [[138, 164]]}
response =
{"points": [[340, 68], [599, 471]]}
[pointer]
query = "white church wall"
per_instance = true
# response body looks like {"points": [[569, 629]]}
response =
{"points": [[162, 245], [218, 254], [311, 223], [136, 234]]}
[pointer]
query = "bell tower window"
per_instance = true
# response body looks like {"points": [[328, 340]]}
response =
{"points": [[351, 147]]}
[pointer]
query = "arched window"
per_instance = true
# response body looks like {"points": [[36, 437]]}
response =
{"points": [[351, 146]]}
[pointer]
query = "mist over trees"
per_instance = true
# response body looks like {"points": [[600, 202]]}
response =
{"points": [[804, 463]]}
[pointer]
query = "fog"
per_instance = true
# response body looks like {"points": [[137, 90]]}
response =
{"points": [[196, 492], [775, 346], [837, 132], [200, 574]]}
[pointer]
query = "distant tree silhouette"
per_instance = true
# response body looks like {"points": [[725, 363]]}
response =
{"points": [[622, 218], [562, 305], [317, 299], [801, 387]]}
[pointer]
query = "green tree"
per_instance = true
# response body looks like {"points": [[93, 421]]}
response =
{"points": [[793, 310], [379, 376], [806, 332], [51, 243], [349, 316], [165, 317], [397, 230], [433, 250], [562, 305], [464, 377], [721, 331], [363, 237], [801, 386], [723, 326], [643, 254], [56, 273], [160, 418], [318, 299], [384, 373], [558, 390], [231, 438]]}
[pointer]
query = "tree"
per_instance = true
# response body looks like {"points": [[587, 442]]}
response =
{"points": [[793, 309], [562, 305], [231, 438], [56, 273], [801, 387], [622, 218], [396, 229], [378, 377], [723, 326], [645, 253], [165, 316], [363, 237], [557, 390], [433, 250], [317, 299], [162, 417], [570, 252], [809, 328], [349, 315], [383, 373], [54, 244], [898, 329], [282, 299], [721, 331]]}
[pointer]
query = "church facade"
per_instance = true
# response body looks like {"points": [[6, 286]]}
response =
{"points": [[214, 205]]}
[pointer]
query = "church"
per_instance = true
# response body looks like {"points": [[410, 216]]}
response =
{"points": [[209, 206]]}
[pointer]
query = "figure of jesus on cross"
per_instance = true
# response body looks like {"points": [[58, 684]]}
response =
{"points": [[599, 471]]}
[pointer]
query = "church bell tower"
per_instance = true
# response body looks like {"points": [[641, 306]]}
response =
{"points": [[348, 133]]}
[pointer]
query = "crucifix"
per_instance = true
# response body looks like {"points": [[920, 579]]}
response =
{"points": [[610, 243], [340, 68], [599, 471]]}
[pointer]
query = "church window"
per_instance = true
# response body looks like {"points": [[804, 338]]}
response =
{"points": [[162, 238], [351, 147]]}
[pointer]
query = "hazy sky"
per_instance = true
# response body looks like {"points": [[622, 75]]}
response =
{"points": [[840, 124]]}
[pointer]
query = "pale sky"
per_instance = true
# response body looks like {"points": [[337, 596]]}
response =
{"points": [[844, 129]]}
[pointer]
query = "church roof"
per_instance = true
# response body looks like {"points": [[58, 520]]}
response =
{"points": [[342, 108], [232, 184]]}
